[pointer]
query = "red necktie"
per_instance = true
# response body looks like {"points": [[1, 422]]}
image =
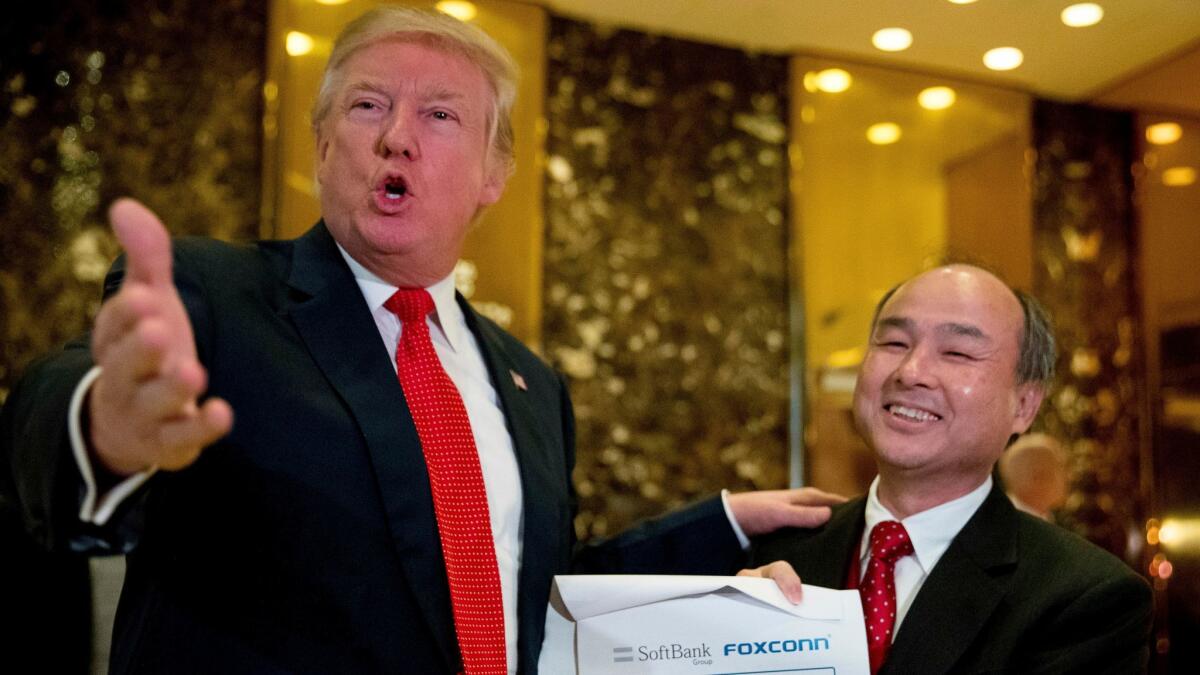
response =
{"points": [[455, 477], [889, 543]]}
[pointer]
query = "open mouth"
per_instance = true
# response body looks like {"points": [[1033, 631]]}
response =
{"points": [[911, 414], [394, 188]]}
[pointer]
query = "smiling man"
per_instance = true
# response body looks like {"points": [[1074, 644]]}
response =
{"points": [[954, 579], [395, 494]]}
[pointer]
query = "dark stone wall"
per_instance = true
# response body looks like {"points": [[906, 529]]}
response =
{"points": [[1084, 246], [157, 99], [666, 266]]}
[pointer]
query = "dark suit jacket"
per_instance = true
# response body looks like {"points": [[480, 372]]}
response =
{"points": [[1012, 594], [305, 541]]}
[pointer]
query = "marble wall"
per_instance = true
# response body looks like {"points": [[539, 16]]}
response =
{"points": [[158, 99], [1084, 247], [665, 287]]}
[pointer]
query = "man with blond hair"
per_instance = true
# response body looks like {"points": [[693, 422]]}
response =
{"points": [[395, 493]]}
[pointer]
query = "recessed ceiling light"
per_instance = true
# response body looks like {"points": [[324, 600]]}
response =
{"points": [[962, 2], [1003, 58], [833, 80], [459, 9], [1082, 14], [884, 133], [936, 98], [1179, 176], [298, 44], [1164, 133], [892, 39]]}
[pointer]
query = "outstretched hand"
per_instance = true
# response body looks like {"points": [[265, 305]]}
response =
{"points": [[768, 510], [144, 409]]}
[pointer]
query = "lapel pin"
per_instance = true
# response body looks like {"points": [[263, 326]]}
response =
{"points": [[518, 380]]}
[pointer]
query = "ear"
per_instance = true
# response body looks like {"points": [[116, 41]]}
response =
{"points": [[494, 180], [1028, 401]]}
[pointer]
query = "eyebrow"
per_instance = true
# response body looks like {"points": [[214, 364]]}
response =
{"points": [[951, 328]]}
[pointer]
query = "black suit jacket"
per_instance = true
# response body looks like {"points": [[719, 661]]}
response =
{"points": [[1012, 594], [305, 541]]}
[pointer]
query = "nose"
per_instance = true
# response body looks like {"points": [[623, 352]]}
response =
{"points": [[915, 369], [398, 137]]}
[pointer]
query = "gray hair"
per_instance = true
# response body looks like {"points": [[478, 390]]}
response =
{"points": [[1038, 350], [442, 32]]}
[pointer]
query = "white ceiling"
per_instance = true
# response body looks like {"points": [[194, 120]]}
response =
{"points": [[950, 39]]}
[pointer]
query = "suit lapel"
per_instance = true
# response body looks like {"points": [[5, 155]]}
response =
{"points": [[329, 313], [824, 558], [960, 593], [536, 461]]}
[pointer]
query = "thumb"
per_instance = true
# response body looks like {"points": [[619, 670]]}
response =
{"points": [[145, 240]]}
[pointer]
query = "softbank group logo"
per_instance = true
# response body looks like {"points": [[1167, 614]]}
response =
{"points": [[622, 654]]}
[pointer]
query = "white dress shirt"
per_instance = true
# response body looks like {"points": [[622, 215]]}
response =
{"points": [[462, 360], [931, 532]]}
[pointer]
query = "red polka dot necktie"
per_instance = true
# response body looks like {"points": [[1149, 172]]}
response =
{"points": [[889, 543], [456, 480]]}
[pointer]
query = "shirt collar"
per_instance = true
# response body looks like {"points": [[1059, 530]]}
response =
{"points": [[448, 315], [931, 530]]}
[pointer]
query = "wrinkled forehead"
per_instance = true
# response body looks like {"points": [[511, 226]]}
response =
{"points": [[959, 299]]}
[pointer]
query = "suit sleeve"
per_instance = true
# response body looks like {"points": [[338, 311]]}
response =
{"points": [[1106, 629], [40, 475]]}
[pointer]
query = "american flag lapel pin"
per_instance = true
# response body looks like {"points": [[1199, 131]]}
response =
{"points": [[518, 380]]}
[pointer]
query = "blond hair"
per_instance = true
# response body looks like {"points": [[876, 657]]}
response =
{"points": [[439, 31]]}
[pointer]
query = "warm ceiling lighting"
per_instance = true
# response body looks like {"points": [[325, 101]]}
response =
{"points": [[936, 98], [298, 44], [1082, 14], [892, 39], [332, 2], [884, 133], [962, 2], [1164, 133], [833, 80], [1003, 58], [459, 9], [1179, 176]]}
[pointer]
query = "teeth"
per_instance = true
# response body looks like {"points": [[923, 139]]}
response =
{"points": [[912, 414]]}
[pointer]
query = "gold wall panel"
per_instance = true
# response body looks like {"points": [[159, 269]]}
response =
{"points": [[666, 266]]}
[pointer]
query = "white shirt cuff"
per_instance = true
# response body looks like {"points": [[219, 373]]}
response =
{"points": [[97, 509], [737, 529]]}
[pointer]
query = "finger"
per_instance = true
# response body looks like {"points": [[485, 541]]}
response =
{"points": [[812, 496], [145, 240], [786, 578], [183, 439], [136, 357], [806, 516], [121, 314], [166, 398]]}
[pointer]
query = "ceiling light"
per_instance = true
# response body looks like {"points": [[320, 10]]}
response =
{"points": [[1003, 58], [1164, 133], [1082, 14], [936, 98], [884, 133], [962, 2], [459, 9], [892, 39], [1179, 176], [833, 80], [332, 2], [298, 44]]}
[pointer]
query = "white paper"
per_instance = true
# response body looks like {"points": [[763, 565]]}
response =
{"points": [[635, 624]]}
